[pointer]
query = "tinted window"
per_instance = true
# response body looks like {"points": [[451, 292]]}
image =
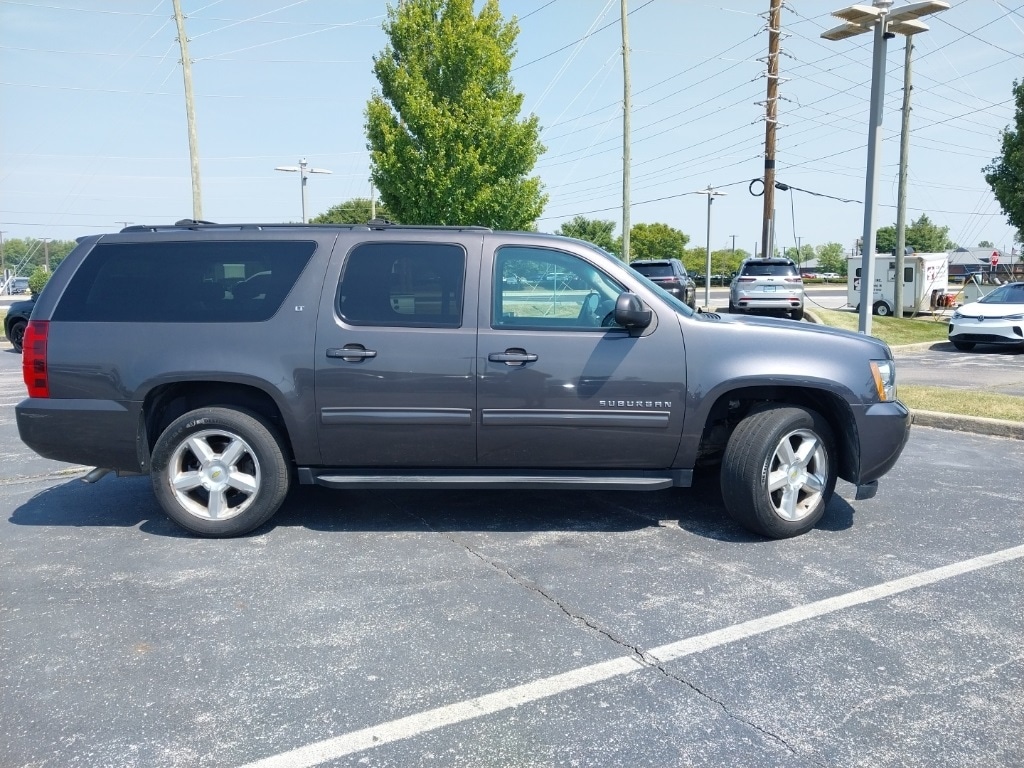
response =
{"points": [[183, 282], [769, 270], [653, 270], [403, 284]]}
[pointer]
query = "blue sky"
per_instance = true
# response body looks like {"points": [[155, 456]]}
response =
{"points": [[93, 130]]}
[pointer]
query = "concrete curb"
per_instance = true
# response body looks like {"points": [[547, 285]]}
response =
{"points": [[977, 424]]}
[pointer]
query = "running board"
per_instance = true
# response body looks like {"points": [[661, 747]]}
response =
{"points": [[623, 481]]}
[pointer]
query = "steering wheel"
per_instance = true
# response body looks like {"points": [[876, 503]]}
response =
{"points": [[607, 314], [588, 312]]}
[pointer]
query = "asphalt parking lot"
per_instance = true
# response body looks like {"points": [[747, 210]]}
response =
{"points": [[515, 628]]}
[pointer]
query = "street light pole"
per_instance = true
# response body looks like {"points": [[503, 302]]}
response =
{"points": [[712, 194], [303, 172], [885, 24]]}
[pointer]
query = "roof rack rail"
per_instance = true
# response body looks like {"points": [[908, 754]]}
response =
{"points": [[196, 224]]}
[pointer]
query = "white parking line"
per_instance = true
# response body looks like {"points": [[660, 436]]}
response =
{"points": [[423, 722]]}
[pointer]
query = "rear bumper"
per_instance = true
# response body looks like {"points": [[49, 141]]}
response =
{"points": [[769, 302], [99, 433]]}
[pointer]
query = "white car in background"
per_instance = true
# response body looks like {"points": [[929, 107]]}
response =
{"points": [[998, 318]]}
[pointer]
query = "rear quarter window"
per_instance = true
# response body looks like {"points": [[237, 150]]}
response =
{"points": [[183, 282]]}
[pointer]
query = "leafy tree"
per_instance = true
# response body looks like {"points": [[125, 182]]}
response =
{"points": [[596, 231], [446, 143], [723, 262], [831, 258], [354, 211], [22, 256], [1005, 174], [922, 235], [806, 253], [656, 241], [38, 279], [986, 244]]}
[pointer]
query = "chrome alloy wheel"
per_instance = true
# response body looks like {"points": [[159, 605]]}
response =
{"points": [[797, 475], [214, 475]]}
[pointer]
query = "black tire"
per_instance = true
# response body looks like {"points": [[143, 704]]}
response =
{"points": [[786, 447], [881, 309], [963, 346], [797, 314], [236, 485], [17, 334]]}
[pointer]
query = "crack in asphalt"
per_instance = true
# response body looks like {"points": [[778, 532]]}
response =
{"points": [[635, 651]]}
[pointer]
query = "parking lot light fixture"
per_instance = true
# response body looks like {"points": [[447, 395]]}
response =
{"points": [[303, 172], [886, 23]]}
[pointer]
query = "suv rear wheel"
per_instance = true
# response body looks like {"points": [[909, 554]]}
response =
{"points": [[220, 471], [778, 472]]}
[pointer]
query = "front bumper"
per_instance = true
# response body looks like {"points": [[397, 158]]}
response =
{"points": [[990, 331], [882, 431]]}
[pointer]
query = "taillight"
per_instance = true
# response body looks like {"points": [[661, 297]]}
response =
{"points": [[33, 358], [794, 279], [745, 279]]}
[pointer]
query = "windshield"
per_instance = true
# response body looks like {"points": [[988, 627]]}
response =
{"points": [[1011, 293]]}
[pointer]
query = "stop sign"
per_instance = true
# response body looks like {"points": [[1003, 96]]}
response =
{"points": [[995, 258]]}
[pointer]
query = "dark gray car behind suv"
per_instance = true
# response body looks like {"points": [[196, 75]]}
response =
{"points": [[231, 361]]}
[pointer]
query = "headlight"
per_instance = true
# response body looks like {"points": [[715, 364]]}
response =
{"points": [[884, 374], [1014, 317], [957, 315]]}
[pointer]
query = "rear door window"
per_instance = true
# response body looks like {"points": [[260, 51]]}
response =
{"points": [[403, 284], [184, 282]]}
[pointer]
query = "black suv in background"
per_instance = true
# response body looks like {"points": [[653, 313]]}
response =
{"points": [[671, 275], [230, 361], [16, 321]]}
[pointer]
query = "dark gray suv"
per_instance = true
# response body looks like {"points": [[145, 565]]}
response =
{"points": [[229, 362]]}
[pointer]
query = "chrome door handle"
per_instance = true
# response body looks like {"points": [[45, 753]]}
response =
{"points": [[352, 353], [512, 357]]}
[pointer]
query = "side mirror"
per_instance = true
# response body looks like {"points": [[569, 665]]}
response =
{"points": [[630, 312]]}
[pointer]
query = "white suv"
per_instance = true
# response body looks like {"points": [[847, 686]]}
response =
{"points": [[768, 284]]}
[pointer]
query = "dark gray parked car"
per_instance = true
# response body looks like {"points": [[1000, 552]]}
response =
{"points": [[239, 359]]}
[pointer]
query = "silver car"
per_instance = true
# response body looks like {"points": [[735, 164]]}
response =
{"points": [[768, 284]]}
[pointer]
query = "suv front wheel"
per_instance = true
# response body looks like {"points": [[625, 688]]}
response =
{"points": [[779, 471], [219, 471]]}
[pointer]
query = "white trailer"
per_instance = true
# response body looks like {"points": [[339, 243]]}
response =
{"points": [[925, 279]]}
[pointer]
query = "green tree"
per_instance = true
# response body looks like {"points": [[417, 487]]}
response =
{"points": [[656, 241], [986, 244], [1005, 174], [445, 139], [597, 231], [831, 258], [38, 279], [22, 256], [354, 211], [805, 254], [922, 235]]}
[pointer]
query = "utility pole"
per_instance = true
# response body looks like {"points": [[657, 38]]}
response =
{"points": [[770, 123], [46, 253], [626, 108], [733, 244], [190, 113], [901, 202]]}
